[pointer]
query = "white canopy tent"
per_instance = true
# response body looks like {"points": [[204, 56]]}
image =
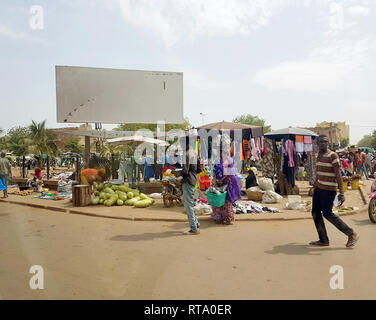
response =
{"points": [[136, 140]]}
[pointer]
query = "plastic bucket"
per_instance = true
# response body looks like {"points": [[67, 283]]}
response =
{"points": [[355, 184], [216, 200]]}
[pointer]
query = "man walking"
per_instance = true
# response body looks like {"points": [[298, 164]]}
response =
{"points": [[190, 169], [360, 160], [5, 172], [328, 177], [367, 163]]}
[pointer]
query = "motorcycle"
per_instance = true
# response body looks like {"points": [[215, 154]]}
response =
{"points": [[372, 203], [172, 190]]}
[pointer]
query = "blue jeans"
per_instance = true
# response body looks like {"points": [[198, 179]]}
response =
{"points": [[362, 169], [188, 202]]}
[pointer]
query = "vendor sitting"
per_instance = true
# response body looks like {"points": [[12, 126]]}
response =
{"points": [[90, 176], [251, 180], [38, 174], [37, 181]]}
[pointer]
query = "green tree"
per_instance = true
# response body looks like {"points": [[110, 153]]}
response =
{"points": [[43, 140], [3, 141], [18, 141], [186, 125], [368, 141], [253, 121], [73, 145], [344, 142]]}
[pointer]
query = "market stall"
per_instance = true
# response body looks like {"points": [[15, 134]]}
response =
{"points": [[286, 150], [127, 162]]}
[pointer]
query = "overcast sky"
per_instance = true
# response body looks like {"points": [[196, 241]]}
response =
{"points": [[290, 62]]}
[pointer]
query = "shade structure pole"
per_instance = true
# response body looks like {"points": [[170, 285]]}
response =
{"points": [[48, 167], [23, 166], [87, 149]]}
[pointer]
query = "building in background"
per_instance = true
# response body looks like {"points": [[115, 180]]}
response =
{"points": [[335, 131], [62, 136]]}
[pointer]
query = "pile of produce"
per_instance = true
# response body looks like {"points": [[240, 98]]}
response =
{"points": [[120, 195], [23, 192]]}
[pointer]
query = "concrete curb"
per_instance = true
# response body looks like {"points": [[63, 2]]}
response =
{"points": [[201, 218]]}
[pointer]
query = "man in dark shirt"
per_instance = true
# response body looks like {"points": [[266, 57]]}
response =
{"points": [[190, 169]]}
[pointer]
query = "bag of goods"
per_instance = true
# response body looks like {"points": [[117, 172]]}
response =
{"points": [[266, 184], [202, 209], [271, 197], [254, 193], [295, 202], [64, 186], [156, 196]]}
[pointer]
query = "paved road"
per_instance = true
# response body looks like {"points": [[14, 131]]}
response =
{"points": [[95, 258]]}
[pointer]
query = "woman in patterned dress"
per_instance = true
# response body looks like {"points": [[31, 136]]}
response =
{"points": [[225, 173]]}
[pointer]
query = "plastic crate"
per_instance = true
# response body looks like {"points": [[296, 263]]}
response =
{"points": [[216, 200]]}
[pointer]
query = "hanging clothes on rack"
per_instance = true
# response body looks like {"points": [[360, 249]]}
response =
{"points": [[259, 147], [299, 144], [267, 165], [288, 171], [264, 151], [204, 146], [289, 147], [254, 150], [308, 144], [240, 152], [247, 152]]}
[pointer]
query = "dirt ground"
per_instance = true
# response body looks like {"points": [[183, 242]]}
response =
{"points": [[98, 258]]}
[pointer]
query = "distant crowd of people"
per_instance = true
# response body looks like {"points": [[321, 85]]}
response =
{"points": [[359, 162]]}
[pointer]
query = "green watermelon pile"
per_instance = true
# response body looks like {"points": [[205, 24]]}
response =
{"points": [[120, 195]]}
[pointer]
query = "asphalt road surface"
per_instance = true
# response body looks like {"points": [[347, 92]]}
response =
{"points": [[98, 258]]}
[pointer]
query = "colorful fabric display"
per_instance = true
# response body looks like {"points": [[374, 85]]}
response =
{"points": [[267, 165], [254, 150], [299, 145], [308, 144], [264, 151], [308, 147], [247, 152], [289, 146]]}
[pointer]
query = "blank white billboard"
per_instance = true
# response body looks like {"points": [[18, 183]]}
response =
{"points": [[118, 96]]}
